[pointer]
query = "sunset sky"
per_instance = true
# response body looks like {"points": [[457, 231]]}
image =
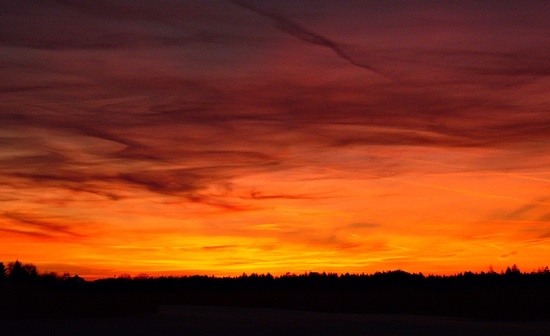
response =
{"points": [[222, 137]]}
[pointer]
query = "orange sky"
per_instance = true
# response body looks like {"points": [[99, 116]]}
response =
{"points": [[222, 137]]}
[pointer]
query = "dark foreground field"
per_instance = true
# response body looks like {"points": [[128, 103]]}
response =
{"points": [[207, 320], [389, 303]]}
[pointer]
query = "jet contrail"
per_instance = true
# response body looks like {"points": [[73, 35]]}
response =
{"points": [[303, 34]]}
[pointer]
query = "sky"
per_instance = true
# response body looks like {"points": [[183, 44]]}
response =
{"points": [[222, 137]]}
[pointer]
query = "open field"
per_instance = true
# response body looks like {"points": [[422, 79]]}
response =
{"points": [[207, 320]]}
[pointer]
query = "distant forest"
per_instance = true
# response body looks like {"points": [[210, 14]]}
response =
{"points": [[510, 294]]}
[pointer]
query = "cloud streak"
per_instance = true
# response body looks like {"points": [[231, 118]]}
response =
{"points": [[36, 226], [305, 35]]}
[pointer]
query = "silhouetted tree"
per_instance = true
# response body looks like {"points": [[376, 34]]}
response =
{"points": [[30, 269], [2, 272], [543, 270], [142, 276], [15, 270], [18, 272], [514, 270]]}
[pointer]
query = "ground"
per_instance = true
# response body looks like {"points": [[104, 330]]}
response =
{"points": [[203, 320]]}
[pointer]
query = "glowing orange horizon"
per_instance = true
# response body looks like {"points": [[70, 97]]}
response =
{"points": [[442, 222]]}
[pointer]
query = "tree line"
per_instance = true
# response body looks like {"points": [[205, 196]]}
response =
{"points": [[17, 272], [510, 294]]}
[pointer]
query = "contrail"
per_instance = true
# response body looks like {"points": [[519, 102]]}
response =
{"points": [[305, 35]]}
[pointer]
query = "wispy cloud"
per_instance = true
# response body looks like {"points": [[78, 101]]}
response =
{"points": [[304, 34], [37, 226]]}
